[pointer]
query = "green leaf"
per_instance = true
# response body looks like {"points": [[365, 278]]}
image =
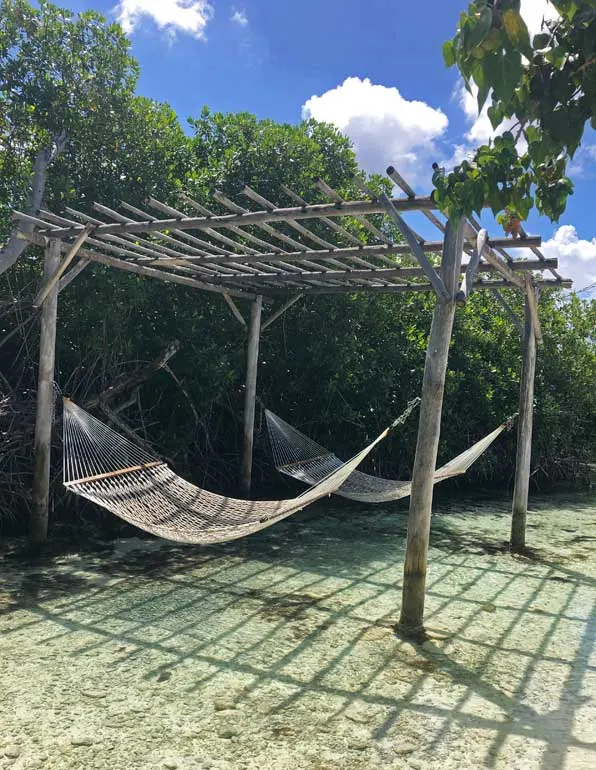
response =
{"points": [[481, 82], [481, 28], [541, 41], [449, 53], [517, 31], [495, 115]]}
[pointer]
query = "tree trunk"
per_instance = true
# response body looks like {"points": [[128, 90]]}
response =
{"points": [[38, 525], [429, 429], [45, 157], [524, 436]]}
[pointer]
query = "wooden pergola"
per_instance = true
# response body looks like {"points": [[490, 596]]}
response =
{"points": [[262, 251]]}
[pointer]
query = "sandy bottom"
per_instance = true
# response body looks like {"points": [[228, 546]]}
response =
{"points": [[278, 653]]}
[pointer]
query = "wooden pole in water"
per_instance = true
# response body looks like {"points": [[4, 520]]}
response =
{"points": [[524, 434], [429, 429], [38, 524], [252, 356]]}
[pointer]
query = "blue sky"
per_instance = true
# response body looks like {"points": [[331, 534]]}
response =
{"points": [[372, 67]]}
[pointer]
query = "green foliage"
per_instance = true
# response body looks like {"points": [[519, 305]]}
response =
{"points": [[496, 177], [120, 167], [544, 88], [340, 367], [63, 79]]}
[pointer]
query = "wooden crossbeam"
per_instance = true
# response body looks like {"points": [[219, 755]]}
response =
{"points": [[170, 211], [334, 196], [253, 195], [348, 208], [381, 252], [61, 269], [235, 311], [416, 249], [502, 267], [377, 274], [69, 277], [414, 287], [133, 267], [278, 313], [403, 185], [468, 281], [235, 208], [330, 223], [509, 310]]}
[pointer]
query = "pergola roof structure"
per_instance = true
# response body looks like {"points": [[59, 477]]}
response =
{"points": [[262, 248], [259, 250]]}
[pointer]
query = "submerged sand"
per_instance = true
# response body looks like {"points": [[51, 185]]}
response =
{"points": [[277, 652]]}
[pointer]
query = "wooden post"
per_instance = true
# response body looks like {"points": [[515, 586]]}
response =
{"points": [[524, 434], [429, 429], [252, 356], [38, 525]]}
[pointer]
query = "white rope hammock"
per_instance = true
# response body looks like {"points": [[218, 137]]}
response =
{"points": [[108, 469], [298, 456]]}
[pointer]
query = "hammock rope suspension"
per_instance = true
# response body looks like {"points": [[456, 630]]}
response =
{"points": [[298, 456], [113, 472]]}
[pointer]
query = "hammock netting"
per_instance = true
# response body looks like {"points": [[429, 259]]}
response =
{"points": [[298, 456], [111, 471]]}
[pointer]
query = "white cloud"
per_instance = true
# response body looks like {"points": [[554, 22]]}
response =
{"points": [[534, 11], [240, 18], [189, 16], [577, 257], [481, 129], [583, 163], [384, 127]]}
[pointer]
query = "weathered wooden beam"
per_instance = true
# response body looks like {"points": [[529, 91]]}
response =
{"points": [[150, 272], [170, 211], [429, 430], [330, 223], [389, 288], [533, 304], [334, 196], [538, 253], [416, 249], [363, 187], [348, 208], [202, 247], [509, 310], [328, 274], [38, 522], [250, 395], [523, 457], [244, 234], [38, 222], [69, 277], [278, 313], [61, 269], [254, 196], [234, 308], [277, 234], [472, 267], [502, 267], [380, 251], [403, 185]]}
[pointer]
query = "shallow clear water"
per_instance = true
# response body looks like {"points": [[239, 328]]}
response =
{"points": [[278, 651]]}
